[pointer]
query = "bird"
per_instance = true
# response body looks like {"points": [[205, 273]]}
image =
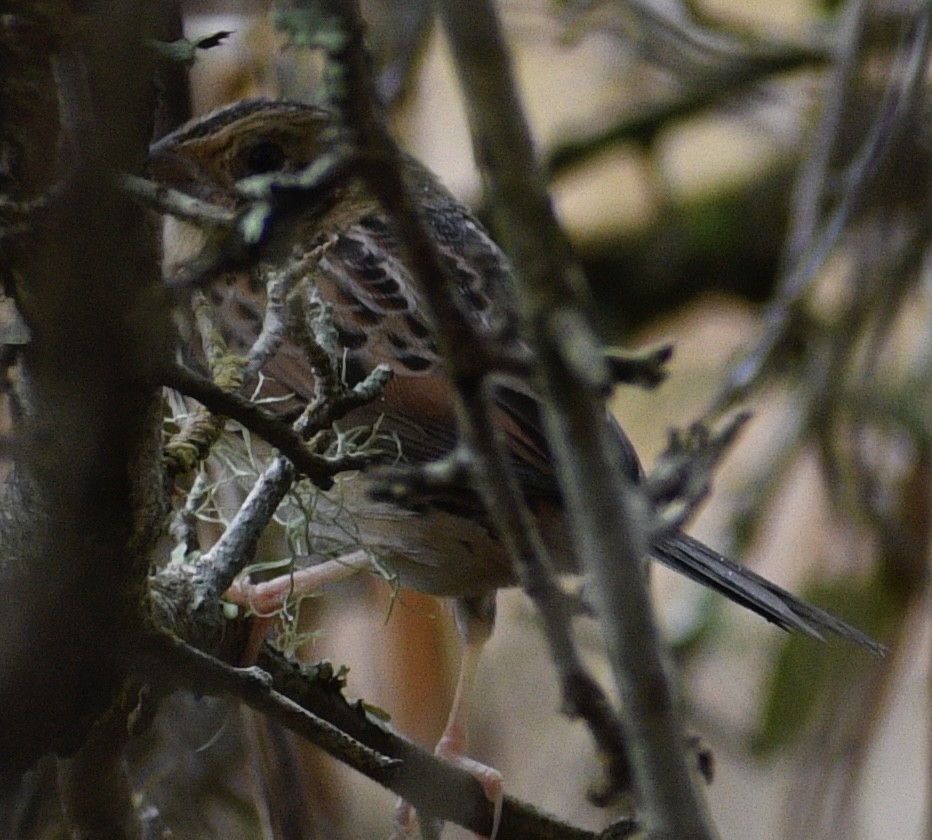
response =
{"points": [[443, 546]]}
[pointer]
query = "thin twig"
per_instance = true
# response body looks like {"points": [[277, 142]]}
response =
{"points": [[319, 468], [734, 69], [202, 428], [813, 177], [647, 368], [683, 474], [179, 204], [898, 104]]}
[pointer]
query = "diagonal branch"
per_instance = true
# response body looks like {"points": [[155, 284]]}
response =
{"points": [[603, 510], [308, 700], [319, 468]]}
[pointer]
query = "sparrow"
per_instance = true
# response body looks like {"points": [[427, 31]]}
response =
{"points": [[444, 546]]}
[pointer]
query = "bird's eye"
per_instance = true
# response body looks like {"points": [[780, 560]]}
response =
{"points": [[265, 156]]}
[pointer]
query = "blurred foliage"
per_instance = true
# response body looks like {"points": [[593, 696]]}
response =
{"points": [[807, 680], [727, 242]]}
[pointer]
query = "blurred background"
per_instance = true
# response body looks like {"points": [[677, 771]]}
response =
{"points": [[746, 180]]}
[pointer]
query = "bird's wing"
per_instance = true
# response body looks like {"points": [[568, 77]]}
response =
{"points": [[380, 318]]}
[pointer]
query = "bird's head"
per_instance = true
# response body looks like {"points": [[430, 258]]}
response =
{"points": [[208, 156]]}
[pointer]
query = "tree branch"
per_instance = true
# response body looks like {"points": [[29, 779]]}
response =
{"points": [[607, 534], [319, 468], [308, 699]]}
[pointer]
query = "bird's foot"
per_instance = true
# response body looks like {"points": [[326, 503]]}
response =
{"points": [[449, 748]]}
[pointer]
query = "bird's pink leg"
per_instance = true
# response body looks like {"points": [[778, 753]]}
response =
{"points": [[265, 600], [268, 597], [453, 743]]}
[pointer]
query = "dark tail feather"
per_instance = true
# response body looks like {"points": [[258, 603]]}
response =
{"points": [[696, 560]]}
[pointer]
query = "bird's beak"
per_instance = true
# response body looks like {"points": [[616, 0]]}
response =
{"points": [[167, 167]]}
